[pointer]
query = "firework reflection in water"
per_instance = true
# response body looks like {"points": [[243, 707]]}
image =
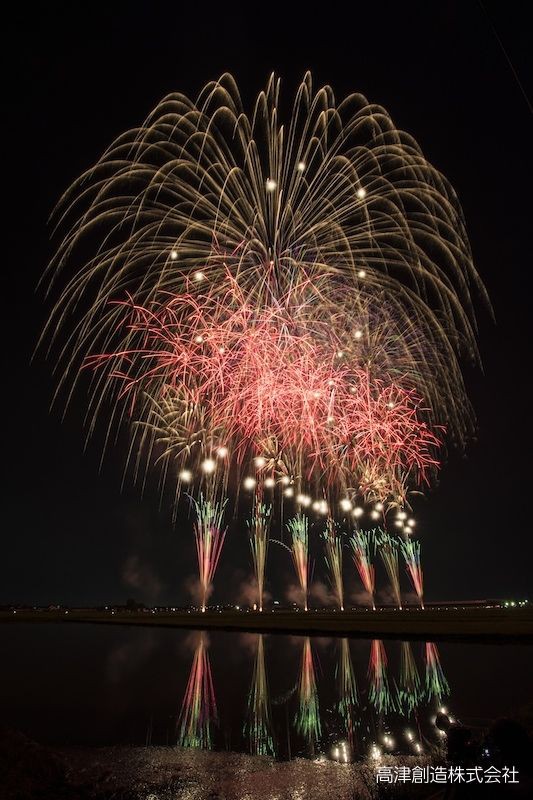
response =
{"points": [[307, 720], [409, 689], [436, 684], [258, 726], [379, 692], [347, 688], [199, 710]]}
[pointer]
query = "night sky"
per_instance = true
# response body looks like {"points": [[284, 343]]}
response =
{"points": [[77, 77]]}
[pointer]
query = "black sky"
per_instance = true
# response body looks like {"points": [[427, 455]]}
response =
{"points": [[77, 76]]}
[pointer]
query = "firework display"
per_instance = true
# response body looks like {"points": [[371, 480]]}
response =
{"points": [[259, 535], [298, 529], [268, 302], [361, 547], [436, 683], [307, 721], [411, 552], [334, 548], [258, 727], [199, 710], [388, 550], [379, 692], [409, 689], [363, 711], [210, 536], [347, 702]]}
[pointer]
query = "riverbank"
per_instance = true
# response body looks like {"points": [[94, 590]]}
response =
{"points": [[461, 623], [166, 773]]}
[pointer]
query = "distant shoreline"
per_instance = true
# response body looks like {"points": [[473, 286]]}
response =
{"points": [[474, 624]]}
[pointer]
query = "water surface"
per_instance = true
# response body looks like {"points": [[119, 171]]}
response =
{"points": [[283, 696]]}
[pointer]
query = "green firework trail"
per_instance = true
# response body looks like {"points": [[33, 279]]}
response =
{"points": [[333, 557], [259, 527], [258, 726]]}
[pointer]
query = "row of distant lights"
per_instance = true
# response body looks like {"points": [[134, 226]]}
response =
{"points": [[209, 465]]}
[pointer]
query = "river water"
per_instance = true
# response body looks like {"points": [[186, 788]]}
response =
{"points": [[281, 696]]}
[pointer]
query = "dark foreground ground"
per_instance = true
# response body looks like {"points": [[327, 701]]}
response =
{"points": [[491, 623], [29, 771]]}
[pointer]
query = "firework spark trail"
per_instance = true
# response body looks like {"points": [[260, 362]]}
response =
{"points": [[347, 689], [298, 528], [409, 691], [388, 550], [436, 683], [262, 261], [259, 537], [265, 387], [258, 727], [307, 720], [379, 692], [198, 711], [333, 546], [411, 553], [361, 546], [209, 535]]}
